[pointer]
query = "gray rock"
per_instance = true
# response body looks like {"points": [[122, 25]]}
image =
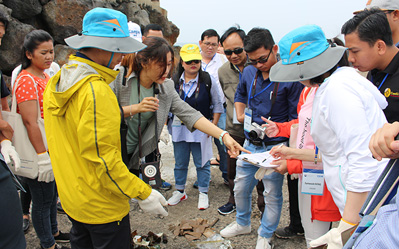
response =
{"points": [[24, 9]]}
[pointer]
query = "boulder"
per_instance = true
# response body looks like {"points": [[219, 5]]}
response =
{"points": [[24, 9]]}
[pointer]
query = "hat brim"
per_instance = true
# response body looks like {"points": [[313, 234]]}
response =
{"points": [[112, 44], [190, 57], [307, 69]]}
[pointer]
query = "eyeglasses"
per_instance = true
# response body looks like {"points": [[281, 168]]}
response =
{"points": [[192, 61], [210, 44], [260, 60], [237, 51]]}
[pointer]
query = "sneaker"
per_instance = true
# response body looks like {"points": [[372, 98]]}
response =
{"points": [[195, 185], [25, 224], [203, 201], [263, 243], [227, 208], [62, 237], [60, 210], [234, 229], [286, 233], [177, 197], [165, 185], [226, 182]]}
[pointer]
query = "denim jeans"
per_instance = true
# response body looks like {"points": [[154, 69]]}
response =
{"points": [[182, 159], [221, 147], [44, 210], [244, 185]]}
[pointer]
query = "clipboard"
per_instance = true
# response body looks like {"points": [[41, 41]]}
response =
{"points": [[261, 160]]}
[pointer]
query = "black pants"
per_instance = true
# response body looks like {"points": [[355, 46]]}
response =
{"points": [[101, 236], [11, 234], [295, 217]]}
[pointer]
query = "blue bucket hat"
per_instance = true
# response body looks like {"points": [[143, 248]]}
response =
{"points": [[305, 54], [106, 29]]}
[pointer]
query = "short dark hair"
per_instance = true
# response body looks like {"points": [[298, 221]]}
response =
{"points": [[233, 30], [3, 19], [157, 50], [32, 40], [151, 26], [210, 33], [257, 38], [371, 25]]}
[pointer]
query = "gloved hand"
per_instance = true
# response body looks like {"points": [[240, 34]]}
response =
{"points": [[10, 154], [262, 172], [154, 202], [294, 176], [45, 169], [333, 238]]}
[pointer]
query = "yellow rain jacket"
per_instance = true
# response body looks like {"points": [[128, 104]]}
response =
{"points": [[82, 122]]}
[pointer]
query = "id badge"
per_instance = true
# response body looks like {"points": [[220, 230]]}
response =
{"points": [[176, 122], [248, 120], [312, 178]]}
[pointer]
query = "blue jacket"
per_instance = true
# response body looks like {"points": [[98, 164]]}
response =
{"points": [[285, 107]]}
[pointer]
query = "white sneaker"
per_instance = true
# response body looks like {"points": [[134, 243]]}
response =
{"points": [[203, 201], [263, 243], [234, 229], [177, 197]]}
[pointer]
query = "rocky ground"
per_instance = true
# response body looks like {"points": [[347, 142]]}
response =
{"points": [[218, 195]]}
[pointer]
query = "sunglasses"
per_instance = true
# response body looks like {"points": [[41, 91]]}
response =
{"points": [[237, 51], [192, 61], [260, 60]]}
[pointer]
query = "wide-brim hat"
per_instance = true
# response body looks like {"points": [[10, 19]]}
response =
{"points": [[190, 52], [305, 54], [106, 29]]}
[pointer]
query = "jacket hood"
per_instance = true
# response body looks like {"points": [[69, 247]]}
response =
{"points": [[72, 76]]}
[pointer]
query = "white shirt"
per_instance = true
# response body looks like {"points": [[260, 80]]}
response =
{"points": [[51, 71], [212, 68], [347, 110]]}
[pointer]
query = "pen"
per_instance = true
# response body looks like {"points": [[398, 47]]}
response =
{"points": [[281, 145]]}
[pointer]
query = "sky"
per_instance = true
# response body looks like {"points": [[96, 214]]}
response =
{"points": [[279, 16]]}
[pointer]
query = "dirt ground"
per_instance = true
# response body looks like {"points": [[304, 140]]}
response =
{"points": [[218, 195]]}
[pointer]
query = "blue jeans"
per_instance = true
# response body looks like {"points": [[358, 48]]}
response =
{"points": [[221, 147], [182, 159], [44, 210], [244, 185]]}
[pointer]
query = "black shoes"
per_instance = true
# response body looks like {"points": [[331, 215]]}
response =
{"points": [[287, 233], [62, 237], [25, 224], [227, 208]]}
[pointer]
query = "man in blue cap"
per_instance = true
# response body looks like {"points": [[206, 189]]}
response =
{"points": [[82, 125]]}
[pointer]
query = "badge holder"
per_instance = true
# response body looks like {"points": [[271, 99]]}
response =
{"points": [[313, 176]]}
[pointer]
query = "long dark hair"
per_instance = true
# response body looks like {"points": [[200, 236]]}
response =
{"points": [[156, 51], [32, 40]]}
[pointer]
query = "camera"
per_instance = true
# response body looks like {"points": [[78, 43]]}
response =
{"points": [[256, 132]]}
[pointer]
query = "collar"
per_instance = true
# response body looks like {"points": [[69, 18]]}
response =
{"points": [[193, 81], [391, 68]]}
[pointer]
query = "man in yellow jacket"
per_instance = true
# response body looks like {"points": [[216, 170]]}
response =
{"points": [[82, 120]]}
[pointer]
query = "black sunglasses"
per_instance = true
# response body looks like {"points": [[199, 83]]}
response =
{"points": [[237, 51], [260, 60], [192, 61]]}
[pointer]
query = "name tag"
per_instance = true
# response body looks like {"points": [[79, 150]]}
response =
{"points": [[312, 178], [248, 120]]}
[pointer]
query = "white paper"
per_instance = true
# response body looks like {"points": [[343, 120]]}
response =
{"points": [[258, 159], [235, 120], [206, 148]]}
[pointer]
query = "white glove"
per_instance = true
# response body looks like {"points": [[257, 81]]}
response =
{"points": [[262, 172], [333, 238], [45, 169], [294, 176], [153, 204], [10, 154]]}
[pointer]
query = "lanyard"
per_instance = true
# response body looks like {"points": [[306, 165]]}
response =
{"points": [[315, 154], [186, 93], [252, 89], [209, 63], [382, 82], [239, 72]]}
